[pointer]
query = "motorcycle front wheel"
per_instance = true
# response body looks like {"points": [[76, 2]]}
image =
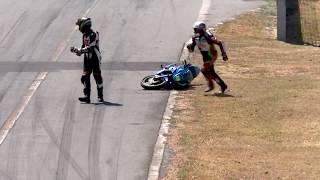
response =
{"points": [[153, 83]]}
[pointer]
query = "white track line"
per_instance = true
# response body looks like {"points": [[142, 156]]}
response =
{"points": [[204, 11], [14, 116], [154, 169]]}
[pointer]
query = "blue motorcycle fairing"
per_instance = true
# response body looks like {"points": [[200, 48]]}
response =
{"points": [[178, 76]]}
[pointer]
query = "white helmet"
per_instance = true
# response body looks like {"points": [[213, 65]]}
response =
{"points": [[199, 26]]}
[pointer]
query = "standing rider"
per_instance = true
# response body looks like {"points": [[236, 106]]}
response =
{"points": [[92, 59], [205, 41]]}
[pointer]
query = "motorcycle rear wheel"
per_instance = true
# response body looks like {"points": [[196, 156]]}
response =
{"points": [[152, 83]]}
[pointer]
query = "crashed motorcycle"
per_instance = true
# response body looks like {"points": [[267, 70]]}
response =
{"points": [[171, 76]]}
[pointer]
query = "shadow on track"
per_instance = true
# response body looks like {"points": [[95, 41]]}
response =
{"points": [[219, 95], [106, 103]]}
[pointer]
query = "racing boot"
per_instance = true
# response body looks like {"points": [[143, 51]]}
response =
{"points": [[223, 88], [100, 94], [86, 97], [221, 83], [210, 86]]}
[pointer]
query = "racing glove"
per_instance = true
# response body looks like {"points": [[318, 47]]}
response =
{"points": [[190, 48], [225, 57], [75, 50]]}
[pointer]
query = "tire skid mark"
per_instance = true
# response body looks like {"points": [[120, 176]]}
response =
{"points": [[117, 146], [65, 142], [6, 89], [116, 164], [12, 29], [95, 142], [55, 141], [12, 164], [113, 161], [43, 29], [35, 124]]}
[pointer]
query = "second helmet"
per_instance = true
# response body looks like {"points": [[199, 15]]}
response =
{"points": [[199, 26]]}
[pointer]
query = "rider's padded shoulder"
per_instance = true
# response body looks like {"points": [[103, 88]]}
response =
{"points": [[210, 34]]}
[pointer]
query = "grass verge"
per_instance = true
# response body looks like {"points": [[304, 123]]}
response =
{"points": [[266, 126], [310, 21]]}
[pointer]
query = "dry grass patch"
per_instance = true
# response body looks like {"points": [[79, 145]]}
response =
{"points": [[267, 125], [310, 21]]}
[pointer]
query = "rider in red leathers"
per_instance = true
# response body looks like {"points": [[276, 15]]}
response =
{"points": [[92, 59], [206, 42]]}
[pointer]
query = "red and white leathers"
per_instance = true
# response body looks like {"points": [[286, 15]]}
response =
{"points": [[206, 42]]}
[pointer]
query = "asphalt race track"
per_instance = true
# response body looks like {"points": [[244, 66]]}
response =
{"points": [[53, 135]]}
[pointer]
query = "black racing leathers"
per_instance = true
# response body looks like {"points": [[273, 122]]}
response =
{"points": [[92, 62]]}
